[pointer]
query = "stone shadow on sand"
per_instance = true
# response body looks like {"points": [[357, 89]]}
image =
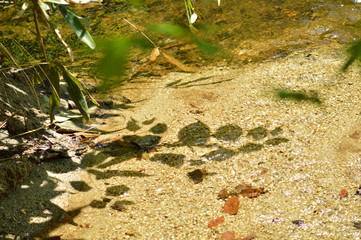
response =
{"points": [[198, 134], [194, 135]]}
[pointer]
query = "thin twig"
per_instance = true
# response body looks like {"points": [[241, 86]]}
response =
{"points": [[38, 34], [6, 120], [34, 130], [54, 29], [144, 35]]}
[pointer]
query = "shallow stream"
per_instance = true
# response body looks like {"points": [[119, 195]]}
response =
{"points": [[280, 117]]}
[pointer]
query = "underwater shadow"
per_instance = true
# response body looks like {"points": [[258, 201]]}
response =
{"points": [[310, 96], [194, 83], [198, 134]]}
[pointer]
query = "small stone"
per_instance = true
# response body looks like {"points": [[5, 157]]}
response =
{"points": [[298, 223], [358, 192], [119, 206], [197, 175], [231, 205], [343, 193], [130, 233], [223, 194], [357, 225], [228, 236], [216, 222]]}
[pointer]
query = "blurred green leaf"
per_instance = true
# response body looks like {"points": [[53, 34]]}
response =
{"points": [[177, 31], [74, 22], [206, 47], [171, 30], [115, 57], [114, 63]]}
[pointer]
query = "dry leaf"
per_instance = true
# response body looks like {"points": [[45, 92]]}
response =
{"points": [[239, 188], [246, 190], [231, 205], [216, 222], [178, 63], [155, 53]]}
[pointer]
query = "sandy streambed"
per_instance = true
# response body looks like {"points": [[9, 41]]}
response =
{"points": [[304, 173], [290, 126]]}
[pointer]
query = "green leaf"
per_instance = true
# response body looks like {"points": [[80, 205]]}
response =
{"points": [[75, 91], [75, 80], [54, 102], [74, 22], [41, 73]]}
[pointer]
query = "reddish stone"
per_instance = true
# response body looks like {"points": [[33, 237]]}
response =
{"points": [[231, 205], [263, 171], [343, 193], [228, 236], [216, 222]]}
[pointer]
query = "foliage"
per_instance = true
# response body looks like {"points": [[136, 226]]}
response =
{"points": [[50, 71], [112, 66]]}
